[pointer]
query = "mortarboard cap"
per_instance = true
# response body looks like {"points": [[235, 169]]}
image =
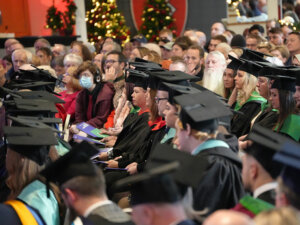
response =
{"points": [[152, 186], [46, 120], [201, 111], [146, 66], [75, 163], [139, 78], [235, 63], [176, 89], [33, 105], [294, 72], [175, 77], [264, 146], [253, 55], [250, 67], [34, 85], [32, 143], [289, 156], [164, 154], [284, 83]]}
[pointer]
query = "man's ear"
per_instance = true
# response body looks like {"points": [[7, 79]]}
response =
{"points": [[122, 64], [253, 170], [188, 129], [70, 195]]}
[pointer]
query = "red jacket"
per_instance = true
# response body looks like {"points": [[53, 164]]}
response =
{"points": [[101, 108]]}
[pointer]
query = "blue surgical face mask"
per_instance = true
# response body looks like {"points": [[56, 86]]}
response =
{"points": [[86, 82]]}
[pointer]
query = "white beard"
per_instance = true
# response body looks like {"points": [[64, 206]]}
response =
{"points": [[213, 80]]}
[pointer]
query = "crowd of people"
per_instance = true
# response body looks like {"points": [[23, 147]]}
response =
{"points": [[183, 131]]}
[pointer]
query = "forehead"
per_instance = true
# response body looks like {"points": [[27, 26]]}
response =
{"points": [[251, 40], [20, 55], [98, 56], [193, 51], [107, 47], [216, 26], [113, 56], [293, 36]]}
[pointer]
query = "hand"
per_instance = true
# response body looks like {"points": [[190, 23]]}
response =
{"points": [[103, 156], [109, 141], [112, 164], [241, 138], [110, 74], [73, 129], [193, 69], [132, 168]]}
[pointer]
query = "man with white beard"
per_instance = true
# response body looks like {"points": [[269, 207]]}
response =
{"points": [[215, 65]]}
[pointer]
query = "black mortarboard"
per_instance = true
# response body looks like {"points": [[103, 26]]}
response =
{"points": [[32, 105], [235, 63], [201, 111], [176, 89], [46, 120], [139, 78], [37, 75], [146, 66], [30, 123], [284, 83], [175, 77], [152, 186], [32, 143], [250, 67], [75, 163], [164, 154], [34, 85], [253, 55], [265, 144], [294, 72], [289, 156]]}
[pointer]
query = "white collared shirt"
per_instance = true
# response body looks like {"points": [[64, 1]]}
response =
{"points": [[264, 188], [94, 206]]}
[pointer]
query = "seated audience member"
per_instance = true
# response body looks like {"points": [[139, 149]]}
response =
{"points": [[215, 65], [59, 50], [15, 46], [82, 187], [94, 102], [248, 101], [58, 65], [153, 47], [24, 162], [252, 41], [197, 136], [70, 94], [194, 59], [276, 36], [226, 217], [257, 29], [165, 36], [293, 45], [192, 35], [180, 46], [265, 47], [214, 41], [153, 56], [78, 48], [278, 216], [72, 60], [217, 29], [296, 60], [179, 65], [138, 40], [238, 41], [45, 55], [41, 42], [138, 52], [127, 49], [224, 48], [201, 38], [281, 52], [7, 45]]}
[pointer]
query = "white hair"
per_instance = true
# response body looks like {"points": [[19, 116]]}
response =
{"points": [[27, 53], [73, 58], [153, 47]]}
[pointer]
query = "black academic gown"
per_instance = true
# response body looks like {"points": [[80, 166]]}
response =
{"points": [[267, 119], [98, 220], [221, 186], [131, 137], [241, 122]]}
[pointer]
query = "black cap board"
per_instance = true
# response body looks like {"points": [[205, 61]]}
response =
{"points": [[250, 67], [164, 154], [146, 66], [253, 55], [46, 120], [74, 163], [176, 89], [201, 111], [32, 143], [265, 144], [289, 156], [175, 77], [152, 186], [35, 105], [284, 83], [138, 78], [235, 63]]}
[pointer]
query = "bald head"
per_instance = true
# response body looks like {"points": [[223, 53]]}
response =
{"points": [[217, 29], [228, 217], [8, 43]]}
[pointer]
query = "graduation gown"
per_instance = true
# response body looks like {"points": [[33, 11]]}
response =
{"points": [[268, 196], [221, 186], [267, 118], [241, 121]]}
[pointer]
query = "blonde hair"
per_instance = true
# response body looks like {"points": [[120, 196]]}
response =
{"points": [[199, 135], [249, 85], [278, 216], [23, 172]]}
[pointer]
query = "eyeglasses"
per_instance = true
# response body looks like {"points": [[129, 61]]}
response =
{"points": [[110, 61], [159, 99]]}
